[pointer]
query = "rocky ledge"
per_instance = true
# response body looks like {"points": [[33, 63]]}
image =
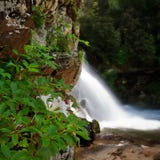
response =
{"points": [[109, 146]]}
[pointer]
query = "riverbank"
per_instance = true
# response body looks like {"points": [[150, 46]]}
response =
{"points": [[121, 144]]}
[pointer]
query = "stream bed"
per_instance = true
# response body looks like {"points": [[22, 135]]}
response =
{"points": [[122, 144]]}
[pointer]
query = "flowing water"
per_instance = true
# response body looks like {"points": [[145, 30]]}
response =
{"points": [[98, 102]]}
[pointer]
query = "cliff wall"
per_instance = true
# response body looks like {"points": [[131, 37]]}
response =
{"points": [[51, 23]]}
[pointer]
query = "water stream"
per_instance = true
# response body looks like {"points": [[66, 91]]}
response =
{"points": [[98, 102]]}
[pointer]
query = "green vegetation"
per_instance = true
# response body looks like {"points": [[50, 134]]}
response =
{"points": [[122, 33], [38, 17], [28, 131], [124, 36]]}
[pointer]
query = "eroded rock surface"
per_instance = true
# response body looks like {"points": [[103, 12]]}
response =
{"points": [[113, 147]]}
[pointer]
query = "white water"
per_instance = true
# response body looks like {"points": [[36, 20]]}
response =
{"points": [[98, 102]]}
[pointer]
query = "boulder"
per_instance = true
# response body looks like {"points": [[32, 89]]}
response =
{"points": [[93, 128]]}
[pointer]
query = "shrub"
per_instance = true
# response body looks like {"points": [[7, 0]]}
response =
{"points": [[27, 129]]}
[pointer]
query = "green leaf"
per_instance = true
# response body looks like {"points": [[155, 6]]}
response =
{"points": [[15, 52], [5, 130], [68, 138], [33, 67], [61, 143], [52, 129], [84, 42], [32, 129], [23, 120], [45, 141], [25, 63], [24, 143], [5, 150], [14, 87], [22, 155], [83, 134], [24, 111], [14, 139], [4, 74], [3, 107], [45, 153], [54, 148], [39, 119]]}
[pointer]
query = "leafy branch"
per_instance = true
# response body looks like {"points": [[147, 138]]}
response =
{"points": [[28, 130]]}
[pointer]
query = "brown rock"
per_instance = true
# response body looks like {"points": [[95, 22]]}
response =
{"points": [[13, 36], [70, 71]]}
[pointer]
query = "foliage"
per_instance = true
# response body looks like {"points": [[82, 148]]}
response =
{"points": [[28, 130], [58, 41], [104, 39], [115, 26], [154, 88], [110, 76], [38, 16]]}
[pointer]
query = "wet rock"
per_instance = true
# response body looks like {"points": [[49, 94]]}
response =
{"points": [[107, 148], [93, 128], [157, 156]]}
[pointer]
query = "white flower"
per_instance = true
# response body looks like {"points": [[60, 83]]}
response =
{"points": [[57, 104]]}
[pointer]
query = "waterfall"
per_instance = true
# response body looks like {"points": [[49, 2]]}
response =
{"points": [[98, 102]]}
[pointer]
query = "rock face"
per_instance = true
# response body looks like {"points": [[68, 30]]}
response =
{"points": [[70, 70], [60, 28], [16, 27]]}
